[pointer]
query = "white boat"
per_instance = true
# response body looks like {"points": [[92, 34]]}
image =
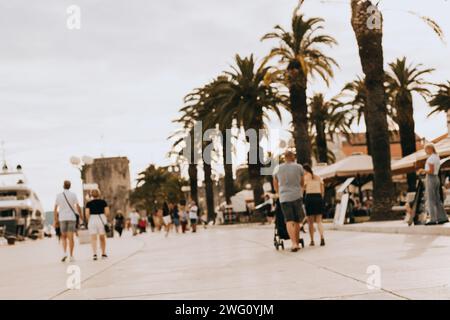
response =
{"points": [[19, 204]]}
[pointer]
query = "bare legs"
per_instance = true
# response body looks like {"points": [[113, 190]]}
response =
{"points": [[102, 238], [318, 220], [68, 241], [293, 229]]}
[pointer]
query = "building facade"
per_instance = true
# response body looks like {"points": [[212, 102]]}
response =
{"points": [[112, 175]]}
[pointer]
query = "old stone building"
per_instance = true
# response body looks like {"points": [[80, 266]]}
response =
{"points": [[112, 175]]}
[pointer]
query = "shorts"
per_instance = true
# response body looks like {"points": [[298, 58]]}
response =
{"points": [[314, 204], [167, 220], [193, 221], [68, 226], [176, 221], [293, 211], [96, 224]]}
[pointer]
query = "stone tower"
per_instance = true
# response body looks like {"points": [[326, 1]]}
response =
{"points": [[112, 175]]}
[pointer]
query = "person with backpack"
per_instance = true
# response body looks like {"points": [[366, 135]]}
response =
{"points": [[65, 219], [97, 212]]}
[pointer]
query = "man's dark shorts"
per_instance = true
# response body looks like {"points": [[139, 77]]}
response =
{"points": [[293, 211]]}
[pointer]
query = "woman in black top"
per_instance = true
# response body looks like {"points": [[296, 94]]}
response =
{"points": [[97, 212], [119, 222]]}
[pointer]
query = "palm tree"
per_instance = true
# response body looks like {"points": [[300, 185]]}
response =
{"points": [[402, 81], [301, 55], [198, 107], [371, 56], [180, 149], [326, 118], [247, 96], [217, 95], [441, 100], [156, 185]]}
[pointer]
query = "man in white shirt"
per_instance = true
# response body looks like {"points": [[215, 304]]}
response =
{"points": [[134, 221], [65, 218], [193, 216]]}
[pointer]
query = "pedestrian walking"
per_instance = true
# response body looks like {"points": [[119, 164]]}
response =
{"points": [[151, 221], [97, 213], [288, 180], [175, 213], [134, 221], [184, 216], [167, 219], [66, 213], [433, 187], [314, 204], [119, 223], [193, 216]]}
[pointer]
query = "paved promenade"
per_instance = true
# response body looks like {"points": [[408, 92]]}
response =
{"points": [[237, 262]]}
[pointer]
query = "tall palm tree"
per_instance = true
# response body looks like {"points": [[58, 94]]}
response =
{"points": [[198, 107], [326, 118], [441, 100], [371, 55], [180, 149], [218, 95], [301, 56], [249, 94], [402, 81]]}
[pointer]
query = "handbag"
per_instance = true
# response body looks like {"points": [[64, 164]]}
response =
{"points": [[77, 216], [105, 225]]}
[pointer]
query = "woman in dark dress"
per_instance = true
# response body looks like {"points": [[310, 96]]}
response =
{"points": [[314, 204]]}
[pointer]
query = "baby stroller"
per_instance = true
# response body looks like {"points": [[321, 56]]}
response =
{"points": [[280, 228], [281, 233]]}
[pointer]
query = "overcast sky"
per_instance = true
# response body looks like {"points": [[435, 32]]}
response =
{"points": [[113, 87]]}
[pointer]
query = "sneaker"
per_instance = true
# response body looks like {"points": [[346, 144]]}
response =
{"points": [[71, 259], [64, 259], [322, 242], [94, 257], [312, 244], [104, 256]]}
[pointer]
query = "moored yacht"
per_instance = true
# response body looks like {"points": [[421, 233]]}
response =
{"points": [[21, 212]]}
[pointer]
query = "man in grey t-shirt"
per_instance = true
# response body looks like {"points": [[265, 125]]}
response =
{"points": [[288, 181]]}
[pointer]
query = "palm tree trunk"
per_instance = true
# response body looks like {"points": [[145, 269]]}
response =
{"points": [[407, 135], [193, 182], [369, 148], [299, 111], [193, 171], [228, 167], [321, 142], [209, 187], [371, 55], [254, 170], [209, 191]]}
